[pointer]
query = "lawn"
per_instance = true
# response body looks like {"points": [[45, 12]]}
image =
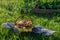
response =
{"points": [[10, 10]]}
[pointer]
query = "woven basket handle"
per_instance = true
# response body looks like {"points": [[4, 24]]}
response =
{"points": [[22, 17]]}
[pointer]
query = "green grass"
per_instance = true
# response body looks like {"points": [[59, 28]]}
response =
{"points": [[10, 10]]}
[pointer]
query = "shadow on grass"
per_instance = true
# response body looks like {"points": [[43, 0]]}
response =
{"points": [[34, 36], [31, 36]]}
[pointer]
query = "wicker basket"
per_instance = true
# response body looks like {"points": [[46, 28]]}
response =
{"points": [[23, 28]]}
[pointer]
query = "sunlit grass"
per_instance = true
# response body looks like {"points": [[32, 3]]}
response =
{"points": [[11, 15]]}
